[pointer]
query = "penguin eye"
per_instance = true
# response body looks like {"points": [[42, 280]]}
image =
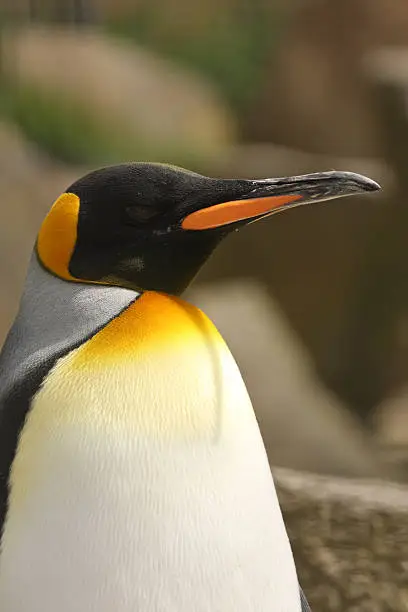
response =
{"points": [[142, 213]]}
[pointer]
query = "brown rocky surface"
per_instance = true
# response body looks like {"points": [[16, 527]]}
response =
{"points": [[350, 541]]}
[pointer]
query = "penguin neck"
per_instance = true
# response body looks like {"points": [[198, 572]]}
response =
{"points": [[56, 315]]}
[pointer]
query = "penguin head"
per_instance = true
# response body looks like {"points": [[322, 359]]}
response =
{"points": [[151, 226]]}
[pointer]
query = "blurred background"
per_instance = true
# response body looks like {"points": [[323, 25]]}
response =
{"points": [[314, 302]]}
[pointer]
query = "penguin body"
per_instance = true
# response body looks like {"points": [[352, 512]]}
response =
{"points": [[156, 479], [134, 475]]}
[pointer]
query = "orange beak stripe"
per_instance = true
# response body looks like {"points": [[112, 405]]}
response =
{"points": [[238, 210]]}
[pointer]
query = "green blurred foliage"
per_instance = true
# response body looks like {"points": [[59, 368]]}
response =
{"points": [[64, 129], [71, 133], [230, 49]]}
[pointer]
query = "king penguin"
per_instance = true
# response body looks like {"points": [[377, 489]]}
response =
{"points": [[133, 477]]}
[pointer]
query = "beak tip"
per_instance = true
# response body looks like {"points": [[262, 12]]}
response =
{"points": [[363, 182], [370, 185]]}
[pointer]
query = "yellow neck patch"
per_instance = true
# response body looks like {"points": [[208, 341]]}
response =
{"points": [[58, 234], [154, 322]]}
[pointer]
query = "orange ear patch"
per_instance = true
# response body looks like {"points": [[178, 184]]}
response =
{"points": [[58, 234], [230, 212]]}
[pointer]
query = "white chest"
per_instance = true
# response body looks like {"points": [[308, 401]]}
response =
{"points": [[142, 484]]}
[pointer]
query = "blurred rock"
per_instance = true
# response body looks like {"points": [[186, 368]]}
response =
{"points": [[142, 95], [392, 418], [303, 425], [315, 95], [391, 424], [350, 541]]}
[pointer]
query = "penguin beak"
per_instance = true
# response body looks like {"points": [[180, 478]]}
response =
{"points": [[268, 196]]}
